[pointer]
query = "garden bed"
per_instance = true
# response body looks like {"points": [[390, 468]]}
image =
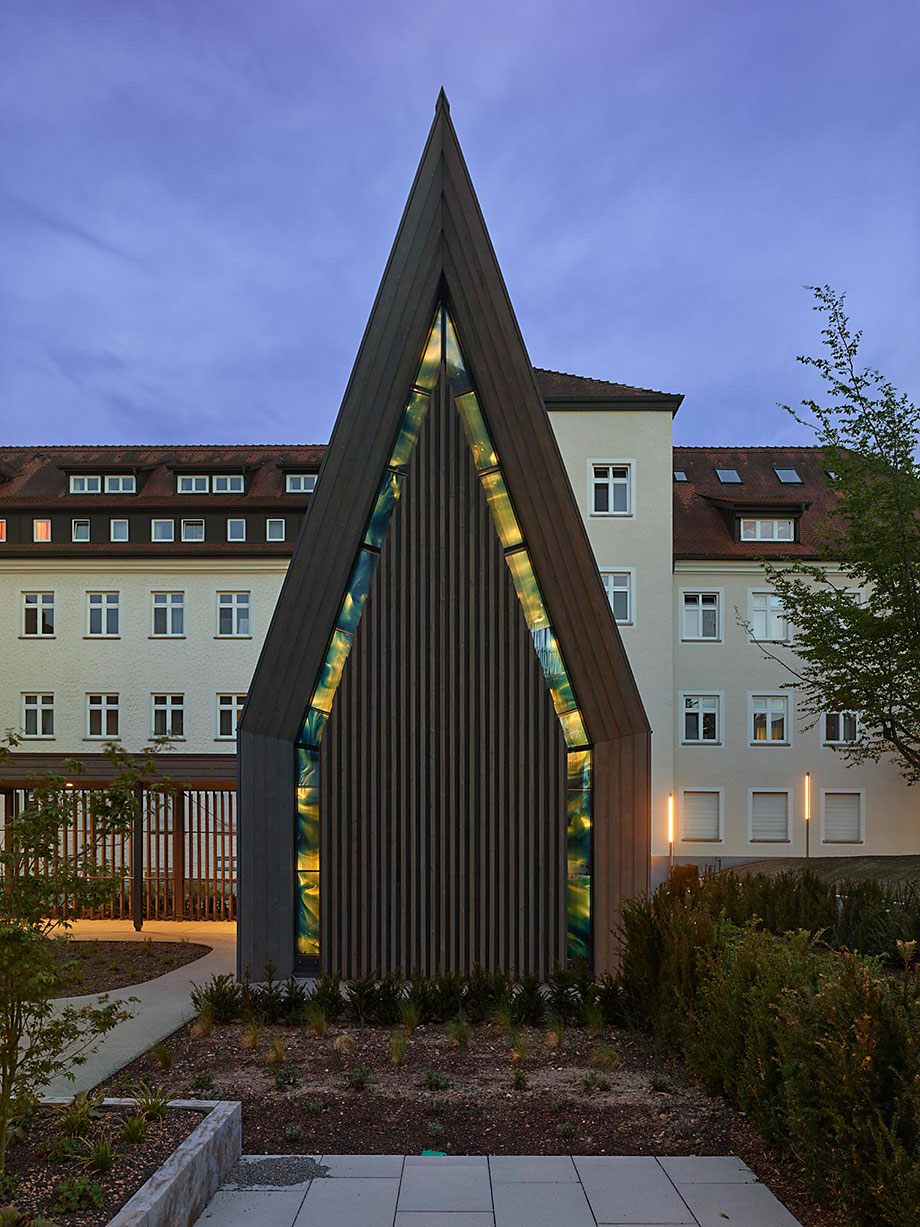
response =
{"points": [[50, 1161], [105, 965], [607, 1093]]}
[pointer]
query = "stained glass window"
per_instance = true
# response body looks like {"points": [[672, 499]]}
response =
{"points": [[443, 345]]}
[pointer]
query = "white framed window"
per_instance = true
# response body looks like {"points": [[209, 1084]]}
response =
{"points": [[769, 811], [701, 616], [85, 485], [41, 530], [79, 530], [38, 614], [118, 530], [701, 719], [274, 530], [229, 710], [769, 719], [701, 815], [768, 618], [611, 487], [236, 530], [233, 615], [193, 530], [841, 728], [168, 715], [843, 817], [120, 483], [620, 589], [102, 715], [300, 483], [767, 530], [193, 483], [162, 530], [168, 614], [228, 483], [102, 614], [38, 715]]}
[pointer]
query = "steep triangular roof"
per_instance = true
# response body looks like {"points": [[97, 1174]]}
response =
{"points": [[442, 252]]}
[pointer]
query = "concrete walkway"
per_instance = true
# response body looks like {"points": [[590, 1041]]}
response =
{"points": [[498, 1191], [163, 1004]]}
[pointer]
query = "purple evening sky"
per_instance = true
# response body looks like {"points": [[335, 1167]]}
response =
{"points": [[197, 198]]}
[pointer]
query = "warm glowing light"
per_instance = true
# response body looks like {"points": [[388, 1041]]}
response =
{"points": [[670, 817], [807, 796]]}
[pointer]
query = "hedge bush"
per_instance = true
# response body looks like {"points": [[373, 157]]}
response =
{"points": [[821, 1048]]}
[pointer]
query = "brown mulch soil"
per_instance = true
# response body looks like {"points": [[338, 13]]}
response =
{"points": [[647, 1105], [39, 1173], [102, 966]]}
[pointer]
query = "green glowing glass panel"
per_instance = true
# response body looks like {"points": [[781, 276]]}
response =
{"points": [[456, 366], [579, 771], [409, 430], [308, 773], [554, 670], [525, 584], [387, 499], [578, 832], [484, 454], [358, 587], [427, 375], [308, 926], [573, 728], [313, 725], [331, 672], [578, 908], [509, 531]]}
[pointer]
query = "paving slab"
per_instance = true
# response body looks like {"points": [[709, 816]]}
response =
{"points": [[741, 1205], [631, 1189], [362, 1167], [707, 1169], [231, 1209], [435, 1218], [448, 1160], [445, 1186], [537, 1169], [541, 1205], [346, 1202]]}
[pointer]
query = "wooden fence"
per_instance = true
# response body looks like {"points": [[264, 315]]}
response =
{"points": [[177, 863]]}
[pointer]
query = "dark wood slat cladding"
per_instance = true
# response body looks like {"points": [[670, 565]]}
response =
{"points": [[442, 769]]}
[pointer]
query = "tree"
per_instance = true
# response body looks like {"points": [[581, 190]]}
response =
{"points": [[848, 655], [39, 889]]}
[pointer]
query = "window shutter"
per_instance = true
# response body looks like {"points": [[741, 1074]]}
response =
{"points": [[700, 816], [841, 818], [770, 816]]}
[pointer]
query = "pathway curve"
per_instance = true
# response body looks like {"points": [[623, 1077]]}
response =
{"points": [[163, 1004], [496, 1191]]}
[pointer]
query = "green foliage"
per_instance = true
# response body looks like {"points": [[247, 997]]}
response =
{"points": [[164, 1056], [410, 1014], [591, 1083], [315, 1106], [152, 1102], [399, 1042], [358, 1078], [435, 1081], [361, 996], [78, 1193], [327, 994], [99, 1154], [78, 1117], [604, 1057], [201, 1084], [562, 997], [849, 656], [316, 1018], [519, 1080], [528, 1004], [293, 1132], [285, 1078], [221, 996], [133, 1130], [460, 1032], [661, 1084]]}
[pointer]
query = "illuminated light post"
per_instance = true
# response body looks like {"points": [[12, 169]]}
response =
{"points": [[807, 814]]}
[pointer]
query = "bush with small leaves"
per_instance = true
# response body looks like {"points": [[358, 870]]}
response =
{"points": [[528, 1004], [565, 1129], [221, 995], [78, 1193], [435, 1128], [562, 996], [358, 1078], [435, 1080], [201, 1084], [164, 1057], [460, 1032], [64, 1149], [361, 996], [133, 1130], [399, 1042], [327, 994]]}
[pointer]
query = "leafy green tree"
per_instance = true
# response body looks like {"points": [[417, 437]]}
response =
{"points": [[847, 655], [39, 890]]}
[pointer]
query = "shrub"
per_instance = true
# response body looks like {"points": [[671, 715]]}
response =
{"points": [[78, 1193], [460, 1032], [562, 995], [361, 996], [78, 1116], [519, 1080], [604, 1057], [152, 1102], [164, 1057], [435, 1081], [133, 1129], [327, 995], [99, 1157], [275, 1054], [285, 1078], [357, 1079], [316, 1018], [293, 1132], [221, 995], [479, 994], [528, 1005], [399, 1041]]}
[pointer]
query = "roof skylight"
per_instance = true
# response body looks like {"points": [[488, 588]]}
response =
{"points": [[789, 477], [728, 477], [680, 475]]}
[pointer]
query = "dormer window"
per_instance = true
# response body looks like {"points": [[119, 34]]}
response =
{"points": [[728, 477], [300, 483], [789, 477], [767, 530], [228, 483], [120, 483], [83, 484], [188, 484]]}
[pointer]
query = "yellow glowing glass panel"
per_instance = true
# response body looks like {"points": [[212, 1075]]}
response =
{"points": [[509, 531], [409, 429], [308, 920], [427, 375], [456, 366], [525, 584], [477, 434], [573, 728], [331, 672]]}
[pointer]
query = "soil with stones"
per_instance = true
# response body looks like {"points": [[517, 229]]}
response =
{"points": [[610, 1093], [44, 1157], [100, 966]]}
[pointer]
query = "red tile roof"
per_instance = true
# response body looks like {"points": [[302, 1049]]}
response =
{"points": [[558, 385], [702, 504]]}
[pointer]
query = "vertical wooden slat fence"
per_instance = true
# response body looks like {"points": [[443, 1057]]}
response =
{"points": [[183, 849]]}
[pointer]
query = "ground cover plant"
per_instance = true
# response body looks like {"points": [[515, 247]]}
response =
{"points": [[818, 1046], [478, 1064]]}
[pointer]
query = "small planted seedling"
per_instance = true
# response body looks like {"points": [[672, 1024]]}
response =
{"points": [[293, 1132], [435, 1080], [518, 1046], [593, 1019], [460, 1032], [316, 1017], [133, 1129], [591, 1083], [357, 1079], [203, 1025], [99, 1157], [605, 1057], [285, 1078], [399, 1042], [501, 1015], [152, 1102], [250, 1037], [410, 1014], [147, 945], [63, 1148], [275, 1052], [78, 1193], [315, 1106], [435, 1128], [78, 1115], [555, 1032], [519, 1080], [565, 1129], [343, 1045], [163, 1056], [661, 1084], [201, 1084]]}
